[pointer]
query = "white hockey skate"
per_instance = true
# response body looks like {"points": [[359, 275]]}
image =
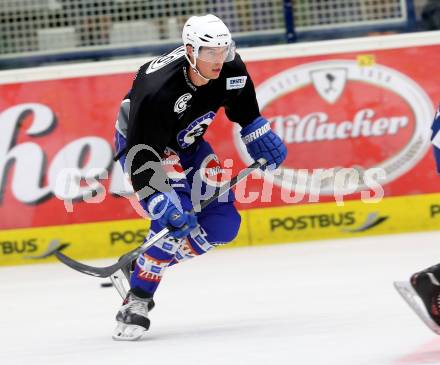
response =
{"points": [[132, 318], [416, 303]]}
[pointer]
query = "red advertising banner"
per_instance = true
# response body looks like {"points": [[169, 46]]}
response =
{"points": [[364, 110]]}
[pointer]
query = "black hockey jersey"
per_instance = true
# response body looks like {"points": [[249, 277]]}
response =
{"points": [[167, 110]]}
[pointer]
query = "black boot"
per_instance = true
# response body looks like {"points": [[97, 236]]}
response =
{"points": [[427, 286], [422, 293]]}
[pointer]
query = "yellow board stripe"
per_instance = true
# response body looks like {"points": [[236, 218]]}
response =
{"points": [[261, 226]]}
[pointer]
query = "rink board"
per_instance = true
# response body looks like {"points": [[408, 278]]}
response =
{"points": [[361, 99], [263, 226]]}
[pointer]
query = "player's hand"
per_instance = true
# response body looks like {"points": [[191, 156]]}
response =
{"points": [[167, 209], [262, 142]]}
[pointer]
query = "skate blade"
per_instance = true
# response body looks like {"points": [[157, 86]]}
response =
{"points": [[128, 332], [410, 296]]}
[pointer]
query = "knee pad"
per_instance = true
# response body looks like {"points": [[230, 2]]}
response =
{"points": [[221, 223]]}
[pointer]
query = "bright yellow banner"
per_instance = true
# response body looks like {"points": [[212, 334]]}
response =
{"points": [[259, 227]]}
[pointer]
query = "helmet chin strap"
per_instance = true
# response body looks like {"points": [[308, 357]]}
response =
{"points": [[195, 69], [198, 73]]}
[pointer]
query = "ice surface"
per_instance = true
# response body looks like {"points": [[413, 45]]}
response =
{"points": [[308, 304]]}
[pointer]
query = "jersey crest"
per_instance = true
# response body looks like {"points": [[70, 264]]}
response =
{"points": [[197, 128], [182, 103]]}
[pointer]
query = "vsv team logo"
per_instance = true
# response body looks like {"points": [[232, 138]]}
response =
{"points": [[197, 128]]}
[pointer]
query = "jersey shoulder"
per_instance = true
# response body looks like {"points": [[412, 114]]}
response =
{"points": [[236, 67], [160, 74], [235, 76]]}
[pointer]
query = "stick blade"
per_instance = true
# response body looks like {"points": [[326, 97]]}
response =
{"points": [[409, 295], [99, 272], [53, 247]]}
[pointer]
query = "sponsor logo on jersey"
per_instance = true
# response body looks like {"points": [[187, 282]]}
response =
{"points": [[211, 171], [197, 128], [171, 165], [162, 61], [237, 82], [348, 109], [182, 103]]}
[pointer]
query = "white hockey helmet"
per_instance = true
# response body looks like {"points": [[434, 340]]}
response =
{"points": [[208, 31]]}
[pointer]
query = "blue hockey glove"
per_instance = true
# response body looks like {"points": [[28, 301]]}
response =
{"points": [[262, 142], [167, 209]]}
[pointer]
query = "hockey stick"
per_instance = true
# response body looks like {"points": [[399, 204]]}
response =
{"points": [[117, 279], [104, 272], [54, 246]]}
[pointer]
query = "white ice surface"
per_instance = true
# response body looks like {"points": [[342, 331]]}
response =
{"points": [[308, 304]]}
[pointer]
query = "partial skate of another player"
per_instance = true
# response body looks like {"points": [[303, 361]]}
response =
{"points": [[422, 293]]}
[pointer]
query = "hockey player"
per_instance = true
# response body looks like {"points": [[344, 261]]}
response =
{"points": [[422, 292], [161, 123]]}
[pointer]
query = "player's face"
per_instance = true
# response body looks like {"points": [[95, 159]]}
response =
{"points": [[210, 61]]}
